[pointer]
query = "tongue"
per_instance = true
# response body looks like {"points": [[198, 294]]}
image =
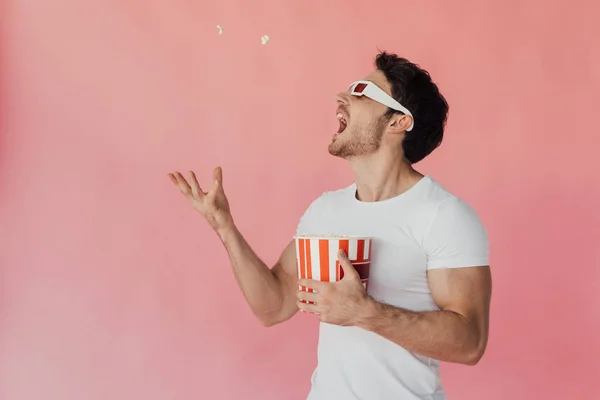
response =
{"points": [[342, 127]]}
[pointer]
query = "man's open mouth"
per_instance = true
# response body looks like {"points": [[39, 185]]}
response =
{"points": [[343, 122]]}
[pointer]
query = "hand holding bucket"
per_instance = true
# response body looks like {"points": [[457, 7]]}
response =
{"points": [[317, 257]]}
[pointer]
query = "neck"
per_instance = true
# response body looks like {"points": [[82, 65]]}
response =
{"points": [[379, 176]]}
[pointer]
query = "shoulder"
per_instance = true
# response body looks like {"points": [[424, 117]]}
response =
{"points": [[450, 208], [332, 198], [441, 202], [456, 235], [321, 207], [435, 193]]}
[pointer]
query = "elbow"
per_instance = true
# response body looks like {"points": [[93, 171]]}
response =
{"points": [[474, 355], [475, 347], [266, 322]]}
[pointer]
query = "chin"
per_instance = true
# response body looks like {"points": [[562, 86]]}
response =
{"points": [[334, 147], [337, 150], [332, 150]]}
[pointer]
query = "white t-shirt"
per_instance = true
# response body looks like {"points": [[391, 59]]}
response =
{"points": [[424, 228]]}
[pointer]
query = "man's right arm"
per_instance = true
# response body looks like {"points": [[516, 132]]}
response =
{"points": [[270, 292]]}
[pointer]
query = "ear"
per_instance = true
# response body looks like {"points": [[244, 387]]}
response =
{"points": [[399, 123]]}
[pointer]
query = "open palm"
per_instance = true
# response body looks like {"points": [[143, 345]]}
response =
{"points": [[213, 205]]}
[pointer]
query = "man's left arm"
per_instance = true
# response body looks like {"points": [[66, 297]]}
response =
{"points": [[458, 332], [460, 283]]}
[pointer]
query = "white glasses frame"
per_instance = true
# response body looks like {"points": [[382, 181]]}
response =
{"points": [[374, 92]]}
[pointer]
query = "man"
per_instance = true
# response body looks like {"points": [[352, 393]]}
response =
{"points": [[430, 283]]}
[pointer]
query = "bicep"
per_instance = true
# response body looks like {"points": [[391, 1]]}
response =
{"points": [[458, 262], [465, 291], [285, 272]]}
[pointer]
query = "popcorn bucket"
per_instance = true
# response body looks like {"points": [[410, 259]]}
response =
{"points": [[317, 257]]}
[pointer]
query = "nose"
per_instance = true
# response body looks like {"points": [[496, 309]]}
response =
{"points": [[343, 98]]}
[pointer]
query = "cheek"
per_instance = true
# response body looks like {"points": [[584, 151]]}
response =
{"points": [[357, 121], [361, 126]]}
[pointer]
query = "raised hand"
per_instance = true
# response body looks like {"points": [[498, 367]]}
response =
{"points": [[213, 205]]}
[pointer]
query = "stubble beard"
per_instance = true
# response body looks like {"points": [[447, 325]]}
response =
{"points": [[359, 142]]}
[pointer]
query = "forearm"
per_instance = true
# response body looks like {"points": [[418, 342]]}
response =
{"points": [[441, 335], [260, 286]]}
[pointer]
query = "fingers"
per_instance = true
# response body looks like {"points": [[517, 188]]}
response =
{"points": [[311, 308], [342, 256], [307, 296], [196, 189], [312, 284], [173, 179], [181, 183], [193, 187], [347, 267]]}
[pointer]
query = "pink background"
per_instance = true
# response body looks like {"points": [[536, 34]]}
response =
{"points": [[114, 288]]}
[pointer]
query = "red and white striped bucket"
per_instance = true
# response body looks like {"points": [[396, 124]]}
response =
{"points": [[317, 257]]}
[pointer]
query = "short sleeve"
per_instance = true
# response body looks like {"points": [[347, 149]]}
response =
{"points": [[457, 237], [306, 222], [301, 228]]}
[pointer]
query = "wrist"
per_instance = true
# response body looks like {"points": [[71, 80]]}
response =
{"points": [[226, 233], [367, 314]]}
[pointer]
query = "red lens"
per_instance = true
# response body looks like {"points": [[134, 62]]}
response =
{"points": [[360, 87]]}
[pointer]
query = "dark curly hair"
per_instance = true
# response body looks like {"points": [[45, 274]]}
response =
{"points": [[413, 88]]}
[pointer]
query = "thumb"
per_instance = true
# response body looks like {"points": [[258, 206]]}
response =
{"points": [[218, 176], [347, 267], [212, 194], [217, 184]]}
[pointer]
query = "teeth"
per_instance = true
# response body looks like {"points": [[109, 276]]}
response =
{"points": [[340, 116]]}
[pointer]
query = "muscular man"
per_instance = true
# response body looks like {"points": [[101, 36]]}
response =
{"points": [[430, 284]]}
